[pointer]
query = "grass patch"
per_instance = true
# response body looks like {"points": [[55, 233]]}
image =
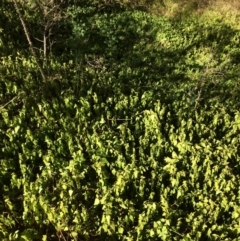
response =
{"points": [[226, 11]]}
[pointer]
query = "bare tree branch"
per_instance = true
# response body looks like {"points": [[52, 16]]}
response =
{"points": [[29, 40], [10, 101]]}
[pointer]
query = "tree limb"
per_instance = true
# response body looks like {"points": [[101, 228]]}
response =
{"points": [[29, 40]]}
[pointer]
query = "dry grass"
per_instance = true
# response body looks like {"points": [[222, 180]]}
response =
{"points": [[227, 10]]}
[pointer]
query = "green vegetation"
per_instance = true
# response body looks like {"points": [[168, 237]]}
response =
{"points": [[118, 121]]}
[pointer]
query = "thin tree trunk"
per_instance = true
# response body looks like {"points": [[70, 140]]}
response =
{"points": [[29, 41]]}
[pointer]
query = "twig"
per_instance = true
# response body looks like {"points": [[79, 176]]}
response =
{"points": [[119, 119], [10, 101], [176, 232]]}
